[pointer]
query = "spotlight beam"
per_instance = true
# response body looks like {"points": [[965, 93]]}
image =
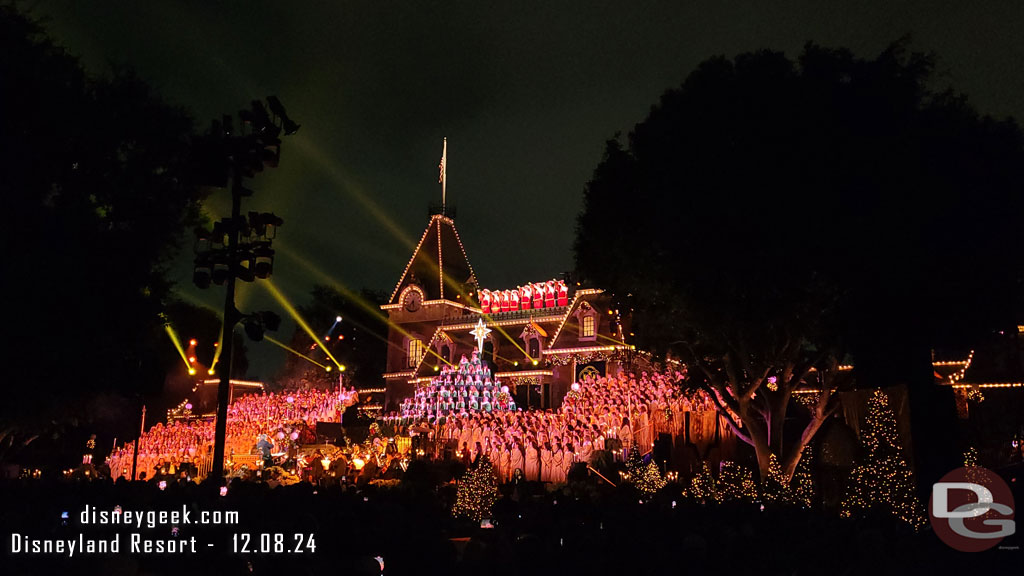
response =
{"points": [[293, 351], [177, 345], [220, 346], [353, 297], [287, 305]]}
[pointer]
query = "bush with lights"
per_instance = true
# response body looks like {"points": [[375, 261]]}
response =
{"points": [[882, 482]]}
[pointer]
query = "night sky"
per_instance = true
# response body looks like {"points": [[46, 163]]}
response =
{"points": [[526, 92]]}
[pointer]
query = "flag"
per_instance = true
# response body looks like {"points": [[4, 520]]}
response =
{"points": [[442, 167], [444, 162]]}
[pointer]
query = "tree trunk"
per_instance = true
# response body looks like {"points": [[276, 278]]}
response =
{"points": [[779, 405], [758, 431], [796, 451]]}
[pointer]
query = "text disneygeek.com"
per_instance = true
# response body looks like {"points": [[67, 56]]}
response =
{"points": [[117, 531]]}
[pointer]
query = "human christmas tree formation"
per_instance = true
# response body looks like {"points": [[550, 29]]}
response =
{"points": [[466, 388], [882, 482]]}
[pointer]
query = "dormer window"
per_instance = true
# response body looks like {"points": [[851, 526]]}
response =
{"points": [[587, 319], [588, 330]]}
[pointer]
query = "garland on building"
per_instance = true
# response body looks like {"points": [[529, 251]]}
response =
{"points": [[477, 492], [882, 482]]}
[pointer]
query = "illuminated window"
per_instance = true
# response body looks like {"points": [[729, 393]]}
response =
{"points": [[415, 352], [588, 327]]}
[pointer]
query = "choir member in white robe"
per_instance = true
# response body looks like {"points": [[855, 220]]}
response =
{"points": [[545, 463], [556, 465], [516, 459], [504, 463], [532, 460]]}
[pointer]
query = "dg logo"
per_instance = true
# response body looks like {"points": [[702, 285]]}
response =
{"points": [[971, 509]]}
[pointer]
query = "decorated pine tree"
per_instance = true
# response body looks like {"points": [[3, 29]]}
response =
{"points": [[970, 457], [802, 485], [634, 464], [645, 477], [649, 479], [736, 482], [775, 488], [882, 481], [477, 492], [702, 486]]}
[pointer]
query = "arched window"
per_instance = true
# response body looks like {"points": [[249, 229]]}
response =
{"points": [[534, 349], [446, 352], [415, 352], [489, 350]]}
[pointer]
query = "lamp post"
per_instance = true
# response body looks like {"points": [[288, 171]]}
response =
{"points": [[239, 247]]}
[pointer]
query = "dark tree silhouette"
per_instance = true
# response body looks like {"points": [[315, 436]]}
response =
{"points": [[362, 348], [97, 196], [770, 217]]}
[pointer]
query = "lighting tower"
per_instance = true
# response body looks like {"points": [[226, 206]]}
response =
{"points": [[238, 247]]}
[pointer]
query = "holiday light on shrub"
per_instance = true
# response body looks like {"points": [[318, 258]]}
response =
{"points": [[883, 481]]}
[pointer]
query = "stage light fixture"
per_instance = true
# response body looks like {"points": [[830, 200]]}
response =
{"points": [[264, 262], [277, 109], [244, 269], [192, 342], [221, 270], [202, 274], [253, 329], [271, 321]]}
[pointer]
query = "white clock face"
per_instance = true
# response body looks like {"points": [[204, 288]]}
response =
{"points": [[412, 301]]}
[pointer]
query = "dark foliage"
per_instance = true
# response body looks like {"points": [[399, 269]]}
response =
{"points": [[96, 185], [362, 348], [772, 213]]}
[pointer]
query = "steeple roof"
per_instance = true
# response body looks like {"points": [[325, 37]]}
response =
{"points": [[439, 264]]}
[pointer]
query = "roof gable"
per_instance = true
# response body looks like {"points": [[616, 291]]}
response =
{"points": [[439, 264]]}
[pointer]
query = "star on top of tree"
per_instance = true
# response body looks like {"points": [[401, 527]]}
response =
{"points": [[480, 332]]}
